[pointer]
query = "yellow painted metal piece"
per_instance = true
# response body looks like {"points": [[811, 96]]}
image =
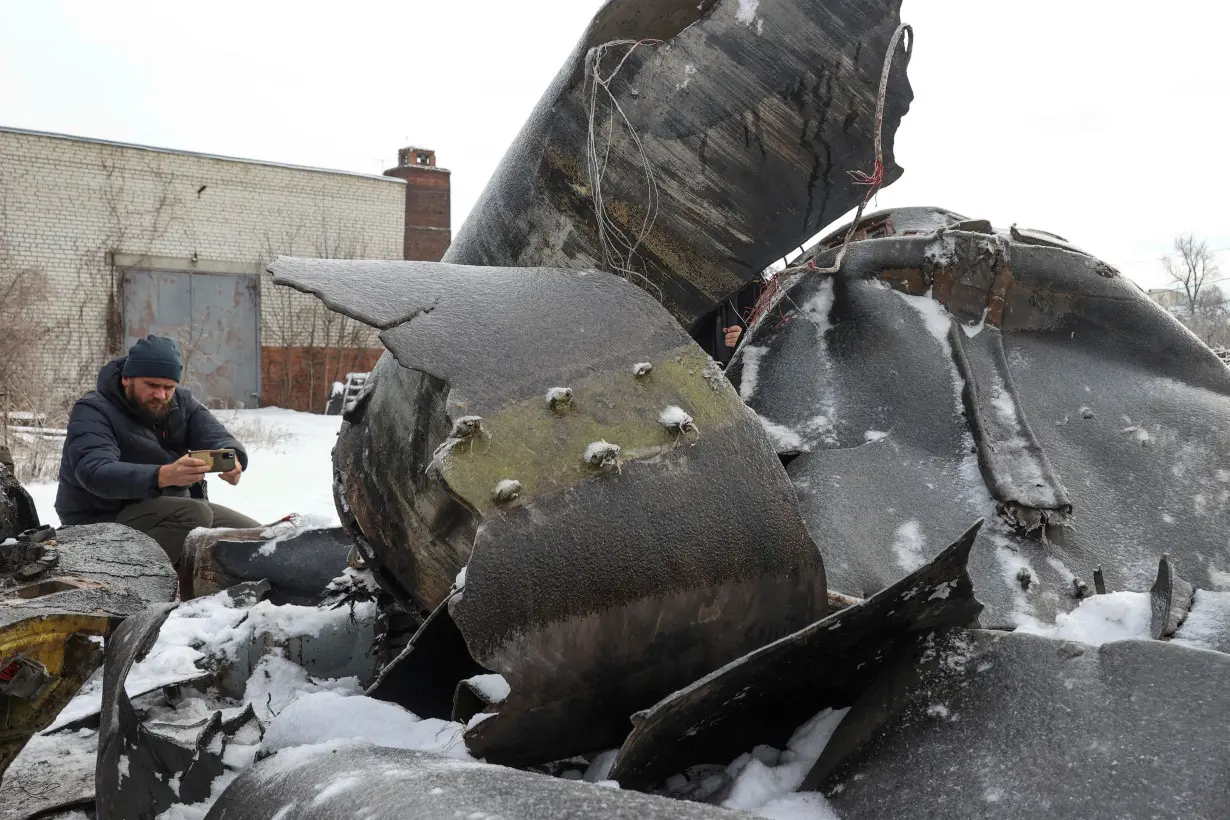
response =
{"points": [[46, 640], [544, 450]]}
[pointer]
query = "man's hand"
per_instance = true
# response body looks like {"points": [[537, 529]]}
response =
{"points": [[182, 473], [732, 335], [232, 476]]}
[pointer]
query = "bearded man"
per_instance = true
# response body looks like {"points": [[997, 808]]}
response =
{"points": [[125, 458]]}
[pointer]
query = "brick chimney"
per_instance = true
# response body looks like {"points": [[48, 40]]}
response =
{"points": [[428, 231]]}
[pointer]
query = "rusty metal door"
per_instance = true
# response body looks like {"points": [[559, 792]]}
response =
{"points": [[216, 320]]}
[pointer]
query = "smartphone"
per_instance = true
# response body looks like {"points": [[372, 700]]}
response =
{"points": [[219, 461]]}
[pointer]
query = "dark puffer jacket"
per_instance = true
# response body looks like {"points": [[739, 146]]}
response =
{"points": [[111, 457]]}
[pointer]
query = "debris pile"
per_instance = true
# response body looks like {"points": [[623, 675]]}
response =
{"points": [[953, 541]]}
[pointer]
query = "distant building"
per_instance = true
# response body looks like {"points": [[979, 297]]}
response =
{"points": [[126, 240], [1169, 298]]}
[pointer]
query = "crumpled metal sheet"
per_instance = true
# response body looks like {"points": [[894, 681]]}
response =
{"points": [[857, 374], [597, 590], [979, 723], [764, 696], [748, 119], [382, 784], [142, 768]]}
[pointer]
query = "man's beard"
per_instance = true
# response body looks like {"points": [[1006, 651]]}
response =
{"points": [[151, 414]]}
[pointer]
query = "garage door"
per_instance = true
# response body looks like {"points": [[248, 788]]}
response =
{"points": [[216, 320]]}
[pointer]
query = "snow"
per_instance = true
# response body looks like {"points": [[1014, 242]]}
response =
{"points": [[909, 544], [783, 437], [1116, 616], [1207, 625], [674, 418], [746, 13], [936, 319], [321, 717], [752, 354], [601, 453], [492, 687], [759, 787], [212, 629]]}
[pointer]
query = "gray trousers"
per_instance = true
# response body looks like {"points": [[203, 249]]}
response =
{"points": [[168, 520]]}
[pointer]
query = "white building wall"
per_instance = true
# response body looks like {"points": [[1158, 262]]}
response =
{"points": [[69, 207]]}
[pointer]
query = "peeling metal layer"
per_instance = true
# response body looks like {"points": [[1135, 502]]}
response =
{"points": [[748, 119], [594, 589], [976, 724], [764, 696], [855, 373], [381, 784]]}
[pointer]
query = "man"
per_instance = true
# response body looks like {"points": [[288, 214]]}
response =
{"points": [[125, 458], [718, 332]]}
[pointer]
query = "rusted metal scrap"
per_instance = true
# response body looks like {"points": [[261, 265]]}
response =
{"points": [[950, 369], [653, 535]]}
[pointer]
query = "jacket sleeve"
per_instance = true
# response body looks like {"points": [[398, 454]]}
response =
{"points": [[205, 432], [94, 455]]}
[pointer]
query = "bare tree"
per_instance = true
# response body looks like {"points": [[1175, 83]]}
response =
{"points": [[1192, 269], [314, 346], [1210, 318]]}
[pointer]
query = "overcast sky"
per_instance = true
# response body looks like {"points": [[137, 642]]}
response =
{"points": [[1103, 122]]}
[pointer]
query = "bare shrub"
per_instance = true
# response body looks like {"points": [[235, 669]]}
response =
{"points": [[35, 457], [254, 432], [23, 394]]}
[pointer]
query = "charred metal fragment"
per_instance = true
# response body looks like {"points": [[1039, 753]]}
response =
{"points": [[298, 564], [58, 598], [855, 373], [574, 592], [1018, 472], [765, 695], [424, 677], [709, 138], [17, 511], [1170, 599], [361, 780], [143, 768], [1014, 725]]}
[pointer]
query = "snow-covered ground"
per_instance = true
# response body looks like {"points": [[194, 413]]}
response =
{"points": [[291, 472]]}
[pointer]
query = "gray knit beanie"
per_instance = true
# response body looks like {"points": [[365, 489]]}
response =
{"points": [[155, 357]]}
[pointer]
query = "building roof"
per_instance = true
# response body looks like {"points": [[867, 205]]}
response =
{"points": [[74, 138]]}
